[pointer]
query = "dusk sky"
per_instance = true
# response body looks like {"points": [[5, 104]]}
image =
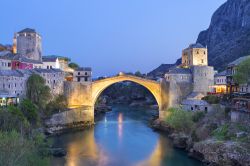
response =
{"points": [[110, 35]]}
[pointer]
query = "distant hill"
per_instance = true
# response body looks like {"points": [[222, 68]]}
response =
{"points": [[228, 36], [161, 70]]}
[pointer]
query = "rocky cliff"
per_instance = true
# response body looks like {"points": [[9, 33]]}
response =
{"points": [[228, 36]]}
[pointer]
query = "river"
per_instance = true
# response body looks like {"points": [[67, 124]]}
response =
{"points": [[120, 138]]}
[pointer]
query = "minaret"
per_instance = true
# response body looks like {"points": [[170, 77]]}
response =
{"points": [[14, 44]]}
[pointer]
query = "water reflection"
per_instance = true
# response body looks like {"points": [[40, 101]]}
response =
{"points": [[120, 138], [120, 120]]}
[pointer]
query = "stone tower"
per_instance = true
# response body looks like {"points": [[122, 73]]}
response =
{"points": [[194, 55], [28, 44]]}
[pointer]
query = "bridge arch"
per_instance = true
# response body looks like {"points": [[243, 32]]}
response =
{"points": [[154, 87]]}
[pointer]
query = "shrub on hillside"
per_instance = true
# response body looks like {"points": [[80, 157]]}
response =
{"points": [[211, 99], [59, 103], [179, 119]]}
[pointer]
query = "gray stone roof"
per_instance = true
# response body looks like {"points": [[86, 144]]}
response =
{"points": [[52, 58], [84, 69], [47, 70], [238, 61], [179, 71], [223, 73], [194, 102], [7, 56], [3, 53], [196, 45], [18, 57], [49, 58], [27, 30], [21, 58], [10, 73]]}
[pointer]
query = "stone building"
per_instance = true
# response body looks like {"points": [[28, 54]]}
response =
{"points": [[28, 43], [83, 74], [193, 76], [194, 55]]}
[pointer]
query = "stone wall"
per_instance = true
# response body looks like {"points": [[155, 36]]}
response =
{"points": [[74, 118], [203, 78], [78, 94]]}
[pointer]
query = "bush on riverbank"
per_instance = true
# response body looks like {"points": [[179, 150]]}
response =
{"points": [[179, 120]]}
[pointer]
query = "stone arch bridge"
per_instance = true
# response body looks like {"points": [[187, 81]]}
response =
{"points": [[84, 95]]}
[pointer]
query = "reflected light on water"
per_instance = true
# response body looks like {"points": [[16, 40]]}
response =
{"points": [[120, 123]]}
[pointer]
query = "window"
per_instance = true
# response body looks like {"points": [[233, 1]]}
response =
{"points": [[78, 79], [86, 73], [79, 73], [202, 61], [85, 79], [9, 64], [47, 67]]}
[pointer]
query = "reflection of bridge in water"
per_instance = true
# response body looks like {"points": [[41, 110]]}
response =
{"points": [[86, 94]]}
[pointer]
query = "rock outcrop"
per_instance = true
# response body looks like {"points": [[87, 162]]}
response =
{"points": [[222, 153], [228, 36]]}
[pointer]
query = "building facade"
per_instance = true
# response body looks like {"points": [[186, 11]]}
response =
{"points": [[232, 86], [13, 83], [54, 79], [220, 82], [83, 75], [56, 62], [5, 61]]}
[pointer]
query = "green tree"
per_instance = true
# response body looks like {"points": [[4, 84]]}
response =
{"points": [[30, 111], [138, 74], [13, 119], [16, 150], [242, 75], [73, 65], [37, 91]]}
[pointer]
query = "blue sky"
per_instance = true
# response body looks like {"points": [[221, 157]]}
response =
{"points": [[110, 35]]}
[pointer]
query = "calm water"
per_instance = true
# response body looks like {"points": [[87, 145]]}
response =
{"points": [[120, 138]]}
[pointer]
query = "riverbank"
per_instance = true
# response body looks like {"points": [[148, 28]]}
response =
{"points": [[214, 139]]}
